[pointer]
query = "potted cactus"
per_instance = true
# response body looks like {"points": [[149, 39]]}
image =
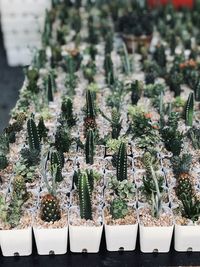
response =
{"points": [[50, 226], [85, 221]]}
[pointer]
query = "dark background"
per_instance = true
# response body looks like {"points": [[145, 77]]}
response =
{"points": [[11, 80]]}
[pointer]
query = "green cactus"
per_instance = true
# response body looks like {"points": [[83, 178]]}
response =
{"points": [[181, 164], [63, 139], [3, 208], [118, 208], [123, 189], [49, 88], [191, 207], [175, 81], [160, 56], [90, 106], [32, 76], [184, 185], [19, 188], [30, 157], [42, 129], [109, 70], [89, 147], [3, 161], [189, 110], [108, 43], [85, 197], [122, 162], [50, 208], [194, 135], [33, 136], [136, 88], [14, 211], [156, 197], [56, 160], [197, 91], [67, 111]]}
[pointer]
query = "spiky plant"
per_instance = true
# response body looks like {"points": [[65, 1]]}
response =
{"points": [[89, 147], [122, 162], [181, 164], [118, 208], [50, 208], [108, 43], [30, 157], [109, 70], [194, 135], [191, 207], [184, 185], [32, 77], [67, 111], [33, 136], [189, 110], [49, 88], [19, 188], [42, 129], [156, 197], [197, 91], [89, 121], [56, 160], [14, 211], [63, 139], [160, 56], [136, 91], [175, 81], [85, 197]]}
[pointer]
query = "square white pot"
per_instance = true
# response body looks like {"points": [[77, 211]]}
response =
{"points": [[85, 238], [16, 242], [155, 238], [187, 237], [121, 237], [51, 241]]}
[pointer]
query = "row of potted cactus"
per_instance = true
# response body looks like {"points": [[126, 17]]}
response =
{"points": [[104, 136]]}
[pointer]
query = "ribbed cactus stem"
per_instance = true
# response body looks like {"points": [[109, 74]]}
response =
{"points": [[122, 162], [49, 88], [56, 161], [197, 91], [189, 110], [33, 136], [90, 104], [85, 197], [89, 147]]}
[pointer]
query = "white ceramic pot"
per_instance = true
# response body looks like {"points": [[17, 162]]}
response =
{"points": [[51, 241], [186, 238], [16, 242], [121, 237], [155, 238], [85, 238]]}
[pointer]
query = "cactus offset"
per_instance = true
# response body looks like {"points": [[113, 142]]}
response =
{"points": [[33, 137], [85, 197], [189, 110], [50, 208], [89, 147], [56, 161], [122, 162]]}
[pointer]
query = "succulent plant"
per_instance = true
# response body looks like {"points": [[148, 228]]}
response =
{"points": [[181, 164], [89, 71], [89, 121], [50, 87], [21, 169], [56, 160], [136, 91], [122, 162], [197, 91], [63, 139], [14, 211], [118, 208], [108, 43], [109, 70], [191, 207], [92, 32], [85, 197], [123, 189], [67, 111], [30, 157], [189, 110], [175, 81], [33, 136], [19, 188], [89, 147], [42, 129], [184, 185], [194, 135], [159, 55], [32, 76], [50, 208]]}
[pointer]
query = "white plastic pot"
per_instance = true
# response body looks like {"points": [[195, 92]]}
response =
{"points": [[85, 238], [121, 237], [51, 241], [155, 238], [16, 242], [187, 238]]}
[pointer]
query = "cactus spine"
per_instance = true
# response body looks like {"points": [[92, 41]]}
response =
{"points": [[85, 197], [33, 136], [122, 162], [89, 147], [189, 110]]}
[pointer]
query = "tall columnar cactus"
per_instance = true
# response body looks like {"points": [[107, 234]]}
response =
{"points": [[42, 130], [85, 197], [136, 88], [160, 56], [89, 122], [33, 136], [109, 70], [50, 208], [197, 91], [189, 110], [67, 111], [19, 188], [56, 161], [122, 162], [49, 88], [116, 123], [89, 147]]}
